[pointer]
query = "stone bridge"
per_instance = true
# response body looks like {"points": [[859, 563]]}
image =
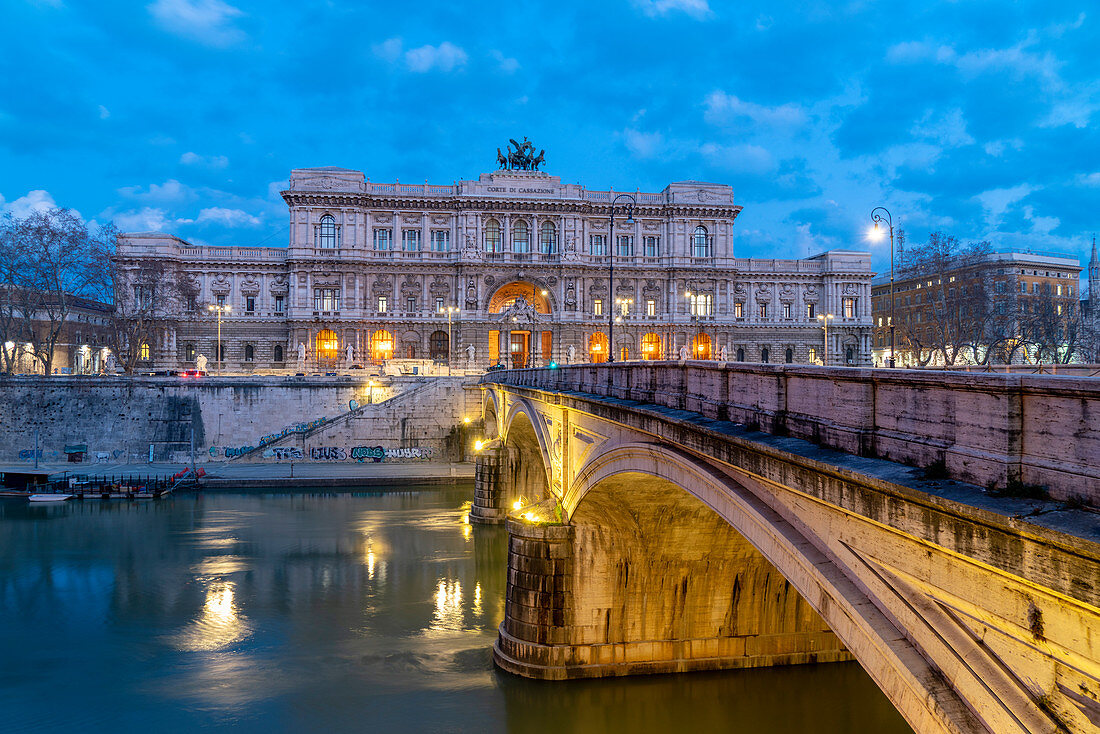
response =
{"points": [[670, 517]]}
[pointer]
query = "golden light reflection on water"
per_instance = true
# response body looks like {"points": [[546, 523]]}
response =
{"points": [[220, 622], [447, 616], [477, 600]]}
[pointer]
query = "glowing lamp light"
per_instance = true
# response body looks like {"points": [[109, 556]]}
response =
{"points": [[517, 504], [466, 421], [553, 365], [875, 233], [597, 348], [479, 445]]}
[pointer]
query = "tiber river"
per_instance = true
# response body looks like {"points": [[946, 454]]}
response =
{"points": [[324, 613]]}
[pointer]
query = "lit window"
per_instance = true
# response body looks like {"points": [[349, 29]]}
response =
{"points": [[492, 236], [651, 307], [327, 235], [1059, 289], [739, 310], [597, 307], [810, 311], [326, 299], [146, 353], [624, 306], [702, 304], [548, 238], [786, 310], [849, 306], [813, 355], [383, 304], [521, 238], [597, 245], [438, 304], [762, 310]]}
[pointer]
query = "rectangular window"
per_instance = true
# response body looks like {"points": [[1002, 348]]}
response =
{"points": [[652, 246], [786, 310], [762, 310], [702, 304], [326, 299], [191, 304], [438, 304], [410, 304], [651, 307], [597, 245], [250, 304], [849, 306], [410, 240], [624, 306], [597, 307], [441, 240], [626, 245], [1059, 289], [810, 315], [383, 304], [220, 300], [280, 304], [739, 310], [1023, 287], [383, 240]]}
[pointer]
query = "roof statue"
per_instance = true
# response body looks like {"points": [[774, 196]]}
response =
{"points": [[523, 158]]}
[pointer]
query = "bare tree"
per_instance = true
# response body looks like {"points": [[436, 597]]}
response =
{"points": [[48, 259], [147, 298], [1054, 330], [955, 312]]}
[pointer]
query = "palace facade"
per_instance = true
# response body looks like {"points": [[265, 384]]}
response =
{"points": [[512, 268]]}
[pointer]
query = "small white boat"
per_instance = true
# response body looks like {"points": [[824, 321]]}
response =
{"points": [[49, 497]]}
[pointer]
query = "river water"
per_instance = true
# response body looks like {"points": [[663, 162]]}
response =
{"points": [[368, 612]]}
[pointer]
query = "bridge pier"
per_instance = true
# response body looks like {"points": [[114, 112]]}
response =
{"points": [[490, 496], [636, 585]]}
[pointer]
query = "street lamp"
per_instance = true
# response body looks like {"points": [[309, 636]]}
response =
{"points": [[451, 310], [876, 232], [221, 355], [824, 319], [611, 269]]}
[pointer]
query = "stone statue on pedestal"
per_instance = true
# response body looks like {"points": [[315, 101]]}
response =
{"points": [[724, 354], [571, 354], [301, 356], [349, 353], [683, 353], [200, 363]]}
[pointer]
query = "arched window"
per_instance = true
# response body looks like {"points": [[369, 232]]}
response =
{"points": [[327, 234], [548, 238], [651, 346], [492, 236], [700, 242], [437, 344], [597, 347], [764, 355], [740, 354], [700, 348], [521, 237], [327, 344], [381, 345], [146, 352], [790, 355], [278, 353], [249, 352], [850, 356]]}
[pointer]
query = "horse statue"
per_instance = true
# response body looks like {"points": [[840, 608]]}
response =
{"points": [[501, 160], [538, 160]]}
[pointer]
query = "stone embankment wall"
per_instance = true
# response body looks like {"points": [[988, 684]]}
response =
{"points": [[989, 429], [117, 419]]}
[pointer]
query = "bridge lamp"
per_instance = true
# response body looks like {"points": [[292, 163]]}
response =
{"points": [[517, 504], [881, 215], [824, 319], [466, 421], [479, 445], [221, 355]]}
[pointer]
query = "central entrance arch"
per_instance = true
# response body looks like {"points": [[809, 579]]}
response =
{"points": [[525, 338]]}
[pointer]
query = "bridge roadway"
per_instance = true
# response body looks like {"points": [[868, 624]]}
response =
{"points": [[661, 530]]}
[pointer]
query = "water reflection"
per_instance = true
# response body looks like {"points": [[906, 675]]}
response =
{"points": [[334, 612]]}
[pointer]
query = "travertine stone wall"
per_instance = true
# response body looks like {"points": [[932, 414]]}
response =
{"points": [[986, 428], [118, 418], [647, 579]]}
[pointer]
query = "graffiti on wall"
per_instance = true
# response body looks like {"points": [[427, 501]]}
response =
{"points": [[296, 428], [283, 453]]}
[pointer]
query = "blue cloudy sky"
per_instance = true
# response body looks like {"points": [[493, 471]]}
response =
{"points": [[975, 117]]}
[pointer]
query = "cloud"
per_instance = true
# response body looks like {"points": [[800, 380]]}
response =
{"points": [[213, 161], [1089, 179], [947, 129], [38, 200], [996, 202], [722, 109], [996, 148], [743, 158], [171, 191], [104, 113], [388, 50], [444, 57], [206, 21], [227, 217], [643, 145], [146, 219], [505, 64], [698, 9]]}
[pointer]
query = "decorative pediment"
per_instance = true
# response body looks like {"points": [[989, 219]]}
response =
{"points": [[851, 289], [382, 218], [220, 285], [809, 294], [520, 311], [382, 285], [411, 219], [740, 289], [441, 220], [439, 286], [786, 292], [763, 293], [251, 285]]}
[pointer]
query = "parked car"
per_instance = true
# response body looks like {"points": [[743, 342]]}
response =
{"points": [[193, 373]]}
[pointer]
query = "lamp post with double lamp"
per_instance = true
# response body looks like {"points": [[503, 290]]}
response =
{"points": [[611, 268], [221, 352], [824, 319], [696, 342], [450, 311], [876, 233]]}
